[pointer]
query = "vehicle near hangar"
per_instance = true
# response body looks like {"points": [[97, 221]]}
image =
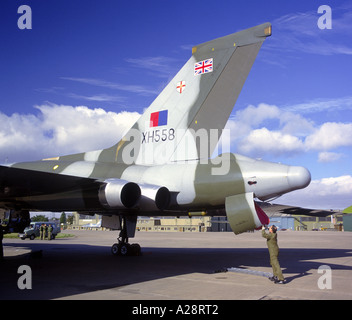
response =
{"points": [[33, 230]]}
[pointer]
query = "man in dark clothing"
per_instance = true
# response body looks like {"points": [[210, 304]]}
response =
{"points": [[41, 230], [271, 241], [45, 231]]}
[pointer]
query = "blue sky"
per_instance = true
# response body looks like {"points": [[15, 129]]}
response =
{"points": [[87, 69]]}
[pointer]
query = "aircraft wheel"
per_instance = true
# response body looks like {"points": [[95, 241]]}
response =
{"points": [[124, 249], [136, 249], [115, 249]]}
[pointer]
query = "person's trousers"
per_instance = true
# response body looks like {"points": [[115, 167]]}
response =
{"points": [[274, 262]]}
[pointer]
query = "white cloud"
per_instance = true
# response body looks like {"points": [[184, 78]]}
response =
{"points": [[253, 136], [334, 186], [18, 133], [330, 135], [274, 142], [267, 129], [59, 130], [326, 193], [253, 116], [295, 124], [329, 156]]}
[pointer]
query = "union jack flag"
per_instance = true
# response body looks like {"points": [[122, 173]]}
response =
{"points": [[204, 66]]}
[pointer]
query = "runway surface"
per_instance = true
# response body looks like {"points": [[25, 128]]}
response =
{"points": [[180, 266]]}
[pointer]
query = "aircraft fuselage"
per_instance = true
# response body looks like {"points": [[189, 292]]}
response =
{"points": [[193, 185]]}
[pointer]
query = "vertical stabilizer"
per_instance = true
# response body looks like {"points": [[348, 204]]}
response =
{"points": [[194, 105]]}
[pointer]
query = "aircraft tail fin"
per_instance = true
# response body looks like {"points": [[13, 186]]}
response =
{"points": [[199, 99]]}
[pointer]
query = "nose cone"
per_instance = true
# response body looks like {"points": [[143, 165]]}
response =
{"points": [[298, 177]]}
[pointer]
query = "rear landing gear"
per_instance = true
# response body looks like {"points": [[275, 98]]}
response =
{"points": [[123, 248], [126, 249]]}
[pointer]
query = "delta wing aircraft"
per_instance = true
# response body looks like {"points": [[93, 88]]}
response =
{"points": [[163, 166]]}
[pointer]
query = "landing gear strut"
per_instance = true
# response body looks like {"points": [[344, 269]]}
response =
{"points": [[123, 248]]}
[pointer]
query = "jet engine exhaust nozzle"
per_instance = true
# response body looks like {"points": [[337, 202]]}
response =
{"points": [[119, 194]]}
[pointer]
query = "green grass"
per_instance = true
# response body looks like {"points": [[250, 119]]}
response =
{"points": [[64, 235], [59, 236], [11, 235]]}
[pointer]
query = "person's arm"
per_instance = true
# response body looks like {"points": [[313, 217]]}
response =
{"points": [[264, 234]]}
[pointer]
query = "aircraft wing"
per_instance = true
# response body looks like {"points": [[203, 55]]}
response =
{"points": [[24, 182], [19, 185], [280, 209]]}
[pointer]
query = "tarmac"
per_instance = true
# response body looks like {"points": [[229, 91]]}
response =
{"points": [[179, 266]]}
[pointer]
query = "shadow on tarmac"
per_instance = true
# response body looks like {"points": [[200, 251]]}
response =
{"points": [[70, 269]]}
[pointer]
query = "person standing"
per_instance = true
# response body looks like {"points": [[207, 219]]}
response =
{"points": [[41, 230], [50, 231], [45, 231], [271, 241]]}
